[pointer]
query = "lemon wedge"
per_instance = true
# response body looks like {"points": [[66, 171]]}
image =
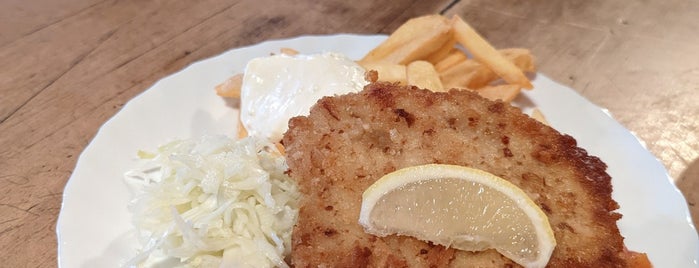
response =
{"points": [[459, 207]]}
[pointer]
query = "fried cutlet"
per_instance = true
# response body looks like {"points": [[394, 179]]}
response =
{"points": [[350, 141]]}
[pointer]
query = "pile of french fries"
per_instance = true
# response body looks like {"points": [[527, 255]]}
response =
{"points": [[437, 53], [425, 52]]}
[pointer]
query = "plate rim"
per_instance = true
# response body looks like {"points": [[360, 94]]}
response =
{"points": [[90, 147]]}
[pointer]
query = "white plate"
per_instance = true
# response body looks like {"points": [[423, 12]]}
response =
{"points": [[94, 228]]}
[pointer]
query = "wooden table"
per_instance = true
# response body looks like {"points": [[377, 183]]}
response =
{"points": [[67, 66]]}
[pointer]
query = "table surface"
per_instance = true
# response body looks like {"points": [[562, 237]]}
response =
{"points": [[70, 65]]}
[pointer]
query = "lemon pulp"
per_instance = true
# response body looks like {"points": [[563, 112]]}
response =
{"points": [[459, 207]]}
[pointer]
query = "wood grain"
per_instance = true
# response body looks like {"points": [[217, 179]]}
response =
{"points": [[68, 66], [620, 55], [66, 75]]}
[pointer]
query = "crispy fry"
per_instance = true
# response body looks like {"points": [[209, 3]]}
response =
{"points": [[280, 148], [288, 51], [460, 75], [472, 74], [442, 52], [423, 75], [480, 78], [423, 52], [231, 87], [521, 57], [242, 132], [486, 54], [454, 57], [536, 114], [505, 93], [415, 39], [388, 72]]}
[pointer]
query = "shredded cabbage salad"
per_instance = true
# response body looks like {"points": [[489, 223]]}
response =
{"points": [[213, 202]]}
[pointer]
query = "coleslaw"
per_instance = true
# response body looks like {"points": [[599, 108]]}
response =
{"points": [[213, 202]]}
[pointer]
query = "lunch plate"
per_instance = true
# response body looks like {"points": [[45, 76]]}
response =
{"points": [[94, 227]]}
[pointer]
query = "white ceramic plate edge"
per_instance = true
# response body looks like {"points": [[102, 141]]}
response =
{"points": [[84, 212]]}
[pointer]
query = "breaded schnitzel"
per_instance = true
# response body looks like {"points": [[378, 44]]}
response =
{"points": [[348, 142]]}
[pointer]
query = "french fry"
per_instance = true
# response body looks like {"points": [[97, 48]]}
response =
{"points": [[506, 93], [454, 57], [388, 72], [242, 132], [472, 74], [423, 75], [280, 148], [536, 114], [231, 87], [423, 52], [415, 39], [486, 54], [480, 78], [442, 52], [288, 51], [521, 57], [459, 75]]}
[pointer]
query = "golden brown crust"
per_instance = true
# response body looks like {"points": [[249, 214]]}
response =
{"points": [[347, 142]]}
